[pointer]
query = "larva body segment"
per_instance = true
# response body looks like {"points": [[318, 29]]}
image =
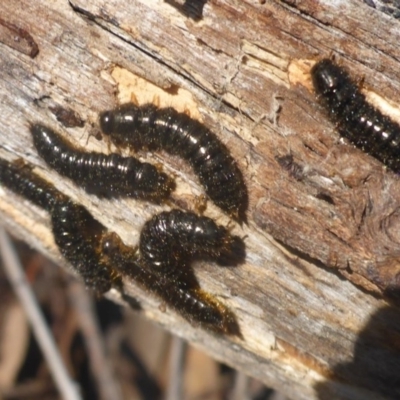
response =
{"points": [[100, 174], [78, 235], [151, 128], [19, 178], [358, 121], [197, 306], [172, 239]]}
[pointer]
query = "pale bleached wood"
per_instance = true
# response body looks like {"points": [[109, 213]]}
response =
{"points": [[246, 66]]}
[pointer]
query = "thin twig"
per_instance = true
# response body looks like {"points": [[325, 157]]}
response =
{"points": [[14, 271], [176, 367], [109, 389], [240, 389]]}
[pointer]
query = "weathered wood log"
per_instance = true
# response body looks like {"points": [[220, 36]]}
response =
{"points": [[319, 211]]}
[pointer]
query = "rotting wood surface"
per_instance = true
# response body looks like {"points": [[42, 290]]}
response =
{"points": [[318, 207]]}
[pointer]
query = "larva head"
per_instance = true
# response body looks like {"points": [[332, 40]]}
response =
{"points": [[216, 242], [39, 130], [106, 120], [232, 252], [120, 122], [326, 77], [207, 232]]}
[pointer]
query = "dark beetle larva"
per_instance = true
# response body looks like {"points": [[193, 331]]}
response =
{"points": [[18, 177], [188, 299], [151, 128], [76, 233], [171, 239], [365, 126], [78, 236], [104, 175]]}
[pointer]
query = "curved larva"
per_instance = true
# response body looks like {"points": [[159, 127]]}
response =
{"points": [[187, 298], [358, 121], [19, 178], [76, 233], [171, 239], [104, 175], [151, 128]]}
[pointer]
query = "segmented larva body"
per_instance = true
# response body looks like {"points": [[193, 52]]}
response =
{"points": [[151, 128], [78, 236], [76, 233], [197, 306], [104, 175], [358, 121], [19, 178], [172, 239]]}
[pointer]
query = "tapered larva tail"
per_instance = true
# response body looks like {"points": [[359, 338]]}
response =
{"points": [[19, 178], [194, 304]]}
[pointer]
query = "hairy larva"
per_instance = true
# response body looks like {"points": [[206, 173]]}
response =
{"points": [[19, 178], [78, 236], [104, 175], [171, 239], [187, 298], [151, 128], [76, 233], [358, 121]]}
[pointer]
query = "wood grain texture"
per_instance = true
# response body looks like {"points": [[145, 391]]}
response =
{"points": [[244, 71]]}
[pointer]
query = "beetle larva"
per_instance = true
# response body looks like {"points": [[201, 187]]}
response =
{"points": [[151, 128], [187, 298], [358, 121], [76, 233], [171, 239], [104, 175]]}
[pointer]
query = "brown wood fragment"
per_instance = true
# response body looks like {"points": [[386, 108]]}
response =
{"points": [[69, 118], [18, 38]]}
